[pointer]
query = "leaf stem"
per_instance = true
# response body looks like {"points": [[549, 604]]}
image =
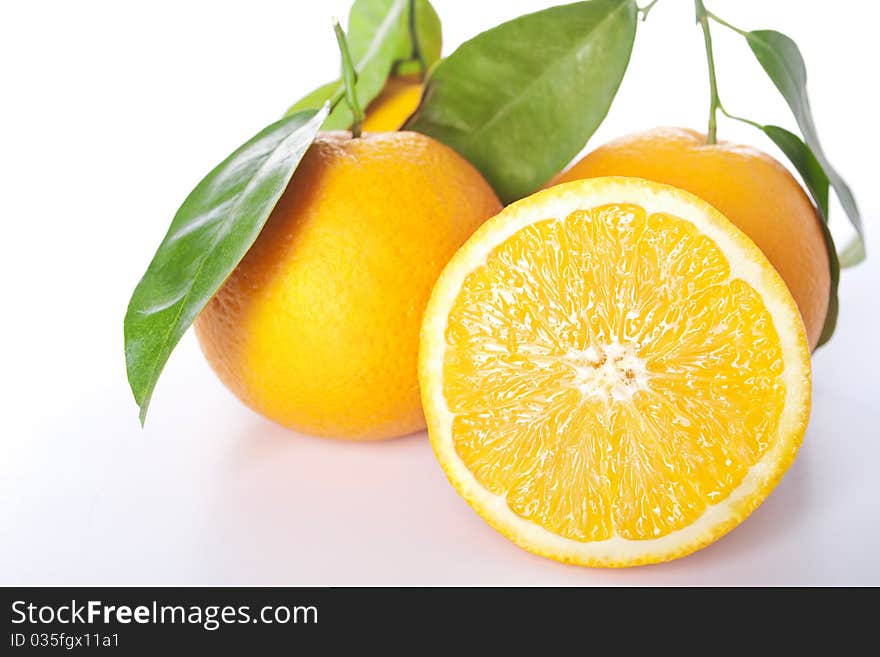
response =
{"points": [[714, 103], [723, 22], [336, 98], [741, 119], [414, 38], [349, 78], [644, 11]]}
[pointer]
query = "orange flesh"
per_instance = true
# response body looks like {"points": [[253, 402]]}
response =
{"points": [[608, 377]]}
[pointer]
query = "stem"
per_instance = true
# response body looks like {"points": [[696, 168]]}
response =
{"points": [[349, 78], [644, 11], [336, 98], [723, 22], [714, 102], [741, 119], [414, 38]]}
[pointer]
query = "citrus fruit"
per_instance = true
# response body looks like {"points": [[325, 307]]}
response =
{"points": [[749, 187], [612, 373], [394, 104], [317, 328]]}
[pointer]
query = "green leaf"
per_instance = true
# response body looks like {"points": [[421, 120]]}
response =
{"points": [[853, 253], [379, 38], [323, 94], [833, 302], [519, 101], [365, 20], [804, 160], [213, 229], [782, 61]]}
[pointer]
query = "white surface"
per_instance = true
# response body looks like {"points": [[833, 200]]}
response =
{"points": [[111, 112]]}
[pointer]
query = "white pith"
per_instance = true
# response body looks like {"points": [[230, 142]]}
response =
{"points": [[617, 373], [611, 372]]}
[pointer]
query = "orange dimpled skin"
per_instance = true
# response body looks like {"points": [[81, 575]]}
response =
{"points": [[749, 187], [318, 326]]}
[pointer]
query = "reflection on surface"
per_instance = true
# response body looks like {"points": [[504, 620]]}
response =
{"points": [[297, 509]]}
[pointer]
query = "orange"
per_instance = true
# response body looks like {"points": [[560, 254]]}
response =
{"points": [[392, 107], [317, 328], [612, 373], [749, 187]]}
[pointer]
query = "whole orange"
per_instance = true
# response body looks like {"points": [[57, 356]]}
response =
{"points": [[748, 186], [318, 326], [392, 107]]}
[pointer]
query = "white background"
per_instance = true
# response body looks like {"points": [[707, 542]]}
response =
{"points": [[112, 111]]}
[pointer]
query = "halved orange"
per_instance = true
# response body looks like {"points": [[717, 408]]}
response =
{"points": [[612, 373]]}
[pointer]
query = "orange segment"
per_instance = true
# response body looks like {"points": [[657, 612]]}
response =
{"points": [[604, 364]]}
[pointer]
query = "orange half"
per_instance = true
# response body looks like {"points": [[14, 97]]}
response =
{"points": [[612, 373]]}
